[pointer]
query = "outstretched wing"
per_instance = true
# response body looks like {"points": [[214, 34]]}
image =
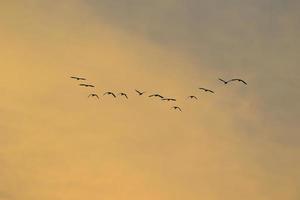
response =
{"points": [[243, 81], [193, 97], [237, 79], [77, 78], [140, 93], [176, 108], [222, 80]]}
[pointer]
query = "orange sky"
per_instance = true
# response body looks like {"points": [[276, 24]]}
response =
{"points": [[241, 143]]}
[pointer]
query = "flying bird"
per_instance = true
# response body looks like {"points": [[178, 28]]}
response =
{"points": [[78, 78], [237, 79], [176, 108], [192, 97], [156, 95], [140, 93], [110, 93], [123, 94], [93, 95], [206, 90], [86, 85], [225, 82], [168, 99]]}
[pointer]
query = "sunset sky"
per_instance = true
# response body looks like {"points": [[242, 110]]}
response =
{"points": [[241, 143]]}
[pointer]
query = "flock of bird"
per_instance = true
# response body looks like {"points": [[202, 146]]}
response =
{"points": [[140, 93]]}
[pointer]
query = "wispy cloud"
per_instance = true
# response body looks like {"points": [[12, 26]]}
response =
{"points": [[240, 143]]}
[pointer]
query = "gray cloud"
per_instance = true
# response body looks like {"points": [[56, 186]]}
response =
{"points": [[254, 39]]}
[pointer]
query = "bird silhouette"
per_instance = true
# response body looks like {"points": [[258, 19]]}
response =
{"points": [[237, 79], [123, 94], [176, 108], [86, 85], [225, 82], [168, 99], [140, 93], [206, 90], [110, 93], [156, 95], [78, 78], [192, 97], [93, 95]]}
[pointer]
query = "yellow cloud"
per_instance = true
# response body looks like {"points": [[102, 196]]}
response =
{"points": [[58, 144]]}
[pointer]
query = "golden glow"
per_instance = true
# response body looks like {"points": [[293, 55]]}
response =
{"points": [[55, 143]]}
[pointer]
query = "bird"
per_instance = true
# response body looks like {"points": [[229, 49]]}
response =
{"points": [[110, 93], [206, 90], [86, 85], [93, 95], [176, 108], [123, 94], [78, 78], [237, 79], [192, 97], [225, 82], [140, 93], [168, 99], [156, 95]]}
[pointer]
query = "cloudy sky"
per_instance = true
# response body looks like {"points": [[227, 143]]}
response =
{"points": [[241, 143]]}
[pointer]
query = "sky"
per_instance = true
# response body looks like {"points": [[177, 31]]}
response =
{"points": [[241, 143]]}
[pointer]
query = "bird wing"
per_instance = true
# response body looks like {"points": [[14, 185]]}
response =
{"points": [[123, 94], [222, 80], [237, 79], [113, 94], [96, 96], [176, 108], [244, 82], [152, 95], [211, 91]]}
